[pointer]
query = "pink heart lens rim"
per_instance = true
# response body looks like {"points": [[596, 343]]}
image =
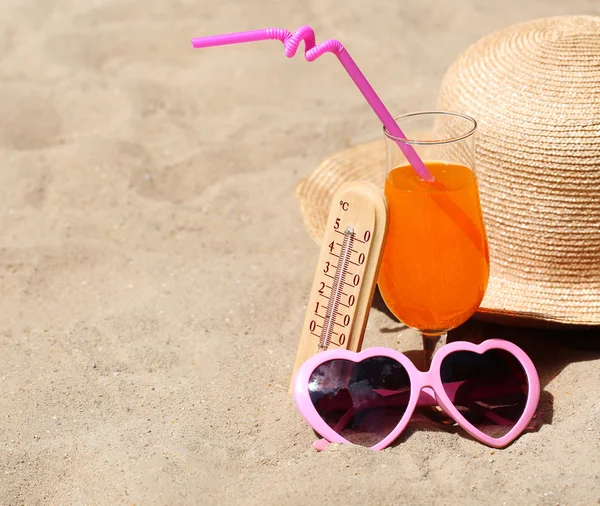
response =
{"points": [[426, 388]]}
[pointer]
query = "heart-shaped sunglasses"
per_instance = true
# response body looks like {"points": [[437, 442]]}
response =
{"points": [[491, 390]]}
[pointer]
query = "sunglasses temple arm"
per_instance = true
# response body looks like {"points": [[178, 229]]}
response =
{"points": [[425, 399], [320, 444], [497, 419], [451, 389], [486, 391]]}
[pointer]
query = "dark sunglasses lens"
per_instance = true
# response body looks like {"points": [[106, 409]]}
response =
{"points": [[490, 389], [363, 401]]}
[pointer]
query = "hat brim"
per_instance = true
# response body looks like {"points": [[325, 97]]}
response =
{"points": [[512, 301]]}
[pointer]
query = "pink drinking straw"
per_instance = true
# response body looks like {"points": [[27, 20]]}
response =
{"points": [[312, 52]]}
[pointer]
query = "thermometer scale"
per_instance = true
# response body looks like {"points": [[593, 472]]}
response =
{"points": [[346, 274]]}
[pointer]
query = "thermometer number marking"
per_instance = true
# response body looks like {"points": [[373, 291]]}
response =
{"points": [[342, 277]]}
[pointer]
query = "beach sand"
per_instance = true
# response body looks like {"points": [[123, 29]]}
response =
{"points": [[154, 266]]}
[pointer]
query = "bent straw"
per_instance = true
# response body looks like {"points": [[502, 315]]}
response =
{"points": [[312, 52]]}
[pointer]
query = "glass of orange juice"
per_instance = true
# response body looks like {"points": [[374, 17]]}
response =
{"points": [[435, 265]]}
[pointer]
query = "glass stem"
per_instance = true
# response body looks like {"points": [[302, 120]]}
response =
{"points": [[431, 343]]}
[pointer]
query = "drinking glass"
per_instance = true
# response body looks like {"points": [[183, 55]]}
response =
{"points": [[435, 265]]}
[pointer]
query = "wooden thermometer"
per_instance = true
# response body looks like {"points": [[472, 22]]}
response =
{"points": [[346, 274]]}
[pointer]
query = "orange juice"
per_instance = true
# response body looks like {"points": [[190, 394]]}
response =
{"points": [[435, 264]]}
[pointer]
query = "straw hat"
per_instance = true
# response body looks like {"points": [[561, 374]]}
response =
{"points": [[535, 90]]}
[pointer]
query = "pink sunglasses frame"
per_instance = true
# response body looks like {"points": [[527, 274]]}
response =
{"points": [[419, 381]]}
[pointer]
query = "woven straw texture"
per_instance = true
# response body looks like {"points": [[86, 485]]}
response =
{"points": [[535, 90]]}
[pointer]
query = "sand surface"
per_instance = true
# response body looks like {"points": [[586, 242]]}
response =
{"points": [[154, 267]]}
